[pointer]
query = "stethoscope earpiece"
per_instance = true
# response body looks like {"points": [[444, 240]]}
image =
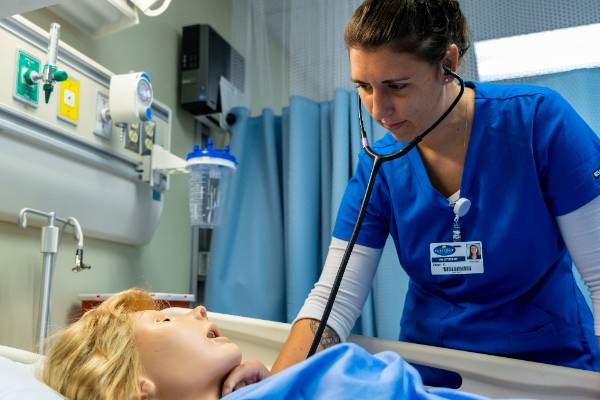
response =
{"points": [[449, 75]]}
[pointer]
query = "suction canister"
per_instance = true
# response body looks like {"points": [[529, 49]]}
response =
{"points": [[209, 180]]}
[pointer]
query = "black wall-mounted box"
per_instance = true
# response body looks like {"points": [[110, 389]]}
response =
{"points": [[205, 57]]}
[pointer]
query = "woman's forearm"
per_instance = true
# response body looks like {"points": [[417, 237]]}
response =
{"points": [[299, 341], [349, 302]]}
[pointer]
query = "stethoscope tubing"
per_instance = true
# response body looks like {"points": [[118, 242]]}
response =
{"points": [[378, 160]]}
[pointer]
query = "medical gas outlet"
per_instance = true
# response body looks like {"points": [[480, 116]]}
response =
{"points": [[50, 73]]}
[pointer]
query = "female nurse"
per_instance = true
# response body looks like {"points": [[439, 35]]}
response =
{"points": [[524, 159]]}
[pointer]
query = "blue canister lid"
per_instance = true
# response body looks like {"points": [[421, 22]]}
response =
{"points": [[209, 151]]}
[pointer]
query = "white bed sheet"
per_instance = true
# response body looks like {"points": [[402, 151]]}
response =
{"points": [[18, 381]]}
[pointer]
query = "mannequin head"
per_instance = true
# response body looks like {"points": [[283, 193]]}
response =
{"points": [[182, 357], [126, 348]]}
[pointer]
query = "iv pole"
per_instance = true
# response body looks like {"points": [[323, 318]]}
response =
{"points": [[50, 240]]}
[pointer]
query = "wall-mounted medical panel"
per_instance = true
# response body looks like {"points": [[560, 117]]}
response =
{"points": [[24, 42], [65, 156]]}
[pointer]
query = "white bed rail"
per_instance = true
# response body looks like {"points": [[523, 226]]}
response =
{"points": [[22, 356], [482, 374]]}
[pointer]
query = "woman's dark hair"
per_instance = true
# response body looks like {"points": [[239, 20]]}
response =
{"points": [[424, 28]]}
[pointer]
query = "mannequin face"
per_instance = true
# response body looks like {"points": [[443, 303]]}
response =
{"points": [[184, 354]]}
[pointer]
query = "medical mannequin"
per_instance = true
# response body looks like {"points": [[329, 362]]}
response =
{"points": [[126, 348], [525, 160]]}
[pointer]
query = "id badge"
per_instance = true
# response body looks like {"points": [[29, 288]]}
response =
{"points": [[456, 258]]}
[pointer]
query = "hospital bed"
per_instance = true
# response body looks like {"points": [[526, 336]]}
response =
{"points": [[481, 374]]}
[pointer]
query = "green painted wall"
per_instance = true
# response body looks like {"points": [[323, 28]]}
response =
{"points": [[163, 264]]}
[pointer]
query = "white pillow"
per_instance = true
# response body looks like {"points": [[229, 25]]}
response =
{"points": [[18, 382]]}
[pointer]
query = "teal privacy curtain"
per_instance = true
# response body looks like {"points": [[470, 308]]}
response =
{"points": [[279, 214], [580, 87]]}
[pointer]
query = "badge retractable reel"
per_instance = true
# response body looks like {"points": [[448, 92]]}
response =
{"points": [[461, 208]]}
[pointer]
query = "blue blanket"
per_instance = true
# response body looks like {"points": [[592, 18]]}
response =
{"points": [[347, 371]]}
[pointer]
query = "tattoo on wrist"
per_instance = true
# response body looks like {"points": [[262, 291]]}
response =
{"points": [[329, 337]]}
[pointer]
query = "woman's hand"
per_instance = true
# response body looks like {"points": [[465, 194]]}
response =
{"points": [[247, 373]]}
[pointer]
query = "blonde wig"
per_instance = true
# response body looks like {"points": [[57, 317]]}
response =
{"points": [[96, 358]]}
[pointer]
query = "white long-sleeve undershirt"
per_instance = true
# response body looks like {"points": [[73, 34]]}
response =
{"points": [[580, 230], [353, 291]]}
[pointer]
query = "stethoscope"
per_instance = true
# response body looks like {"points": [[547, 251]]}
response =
{"points": [[378, 159]]}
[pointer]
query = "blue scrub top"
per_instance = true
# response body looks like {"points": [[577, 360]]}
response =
{"points": [[347, 371], [530, 159]]}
